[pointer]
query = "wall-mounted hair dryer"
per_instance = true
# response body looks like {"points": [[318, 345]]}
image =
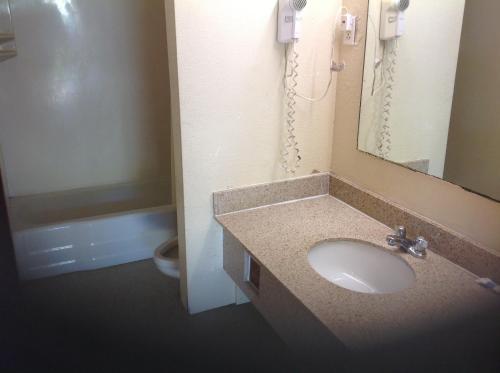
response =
{"points": [[392, 18], [290, 19]]}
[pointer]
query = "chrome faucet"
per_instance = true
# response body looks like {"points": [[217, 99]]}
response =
{"points": [[416, 248]]}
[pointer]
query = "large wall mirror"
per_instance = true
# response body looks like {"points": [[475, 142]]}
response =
{"points": [[431, 89]]}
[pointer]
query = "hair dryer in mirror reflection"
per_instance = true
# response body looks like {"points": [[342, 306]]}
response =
{"points": [[392, 27], [290, 17]]}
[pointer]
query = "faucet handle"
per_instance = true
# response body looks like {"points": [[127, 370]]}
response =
{"points": [[400, 231], [421, 244]]}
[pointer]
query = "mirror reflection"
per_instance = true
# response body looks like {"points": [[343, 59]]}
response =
{"points": [[431, 96]]}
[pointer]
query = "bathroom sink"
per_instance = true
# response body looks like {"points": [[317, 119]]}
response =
{"points": [[361, 267]]}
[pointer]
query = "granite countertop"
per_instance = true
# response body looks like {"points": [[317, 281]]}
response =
{"points": [[279, 237]]}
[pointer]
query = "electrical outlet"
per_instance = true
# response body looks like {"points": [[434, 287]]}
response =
{"points": [[350, 37]]}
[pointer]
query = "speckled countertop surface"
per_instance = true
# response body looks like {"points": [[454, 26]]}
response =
{"points": [[279, 237]]}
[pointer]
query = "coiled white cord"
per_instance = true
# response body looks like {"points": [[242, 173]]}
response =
{"points": [[384, 144], [291, 147]]}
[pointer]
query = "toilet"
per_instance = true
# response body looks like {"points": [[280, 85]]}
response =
{"points": [[166, 258]]}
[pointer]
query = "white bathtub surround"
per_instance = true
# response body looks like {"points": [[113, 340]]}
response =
{"points": [[96, 228], [86, 100]]}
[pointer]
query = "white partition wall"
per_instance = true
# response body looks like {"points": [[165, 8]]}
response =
{"points": [[231, 110]]}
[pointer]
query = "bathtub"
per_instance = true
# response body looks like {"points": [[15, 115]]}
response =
{"points": [[86, 229]]}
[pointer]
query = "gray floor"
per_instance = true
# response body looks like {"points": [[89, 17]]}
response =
{"points": [[130, 318]]}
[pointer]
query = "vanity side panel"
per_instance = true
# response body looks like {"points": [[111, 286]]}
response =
{"points": [[306, 336], [234, 263]]}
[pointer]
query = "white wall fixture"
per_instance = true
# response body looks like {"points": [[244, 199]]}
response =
{"points": [[392, 18], [290, 20]]}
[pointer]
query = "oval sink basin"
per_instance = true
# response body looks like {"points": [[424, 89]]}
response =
{"points": [[361, 267]]}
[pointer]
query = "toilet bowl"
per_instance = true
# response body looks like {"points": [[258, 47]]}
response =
{"points": [[166, 258]]}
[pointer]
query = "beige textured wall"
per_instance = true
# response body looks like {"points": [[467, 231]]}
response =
{"points": [[466, 213], [473, 156]]}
